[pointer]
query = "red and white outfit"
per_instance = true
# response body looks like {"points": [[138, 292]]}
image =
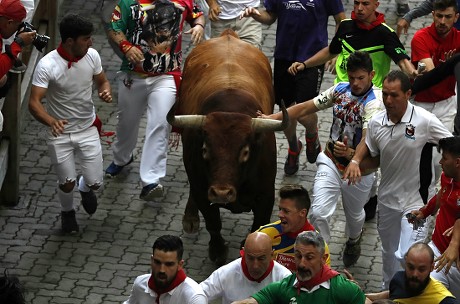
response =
{"points": [[147, 87], [439, 99], [232, 282], [449, 212], [183, 290], [69, 94]]}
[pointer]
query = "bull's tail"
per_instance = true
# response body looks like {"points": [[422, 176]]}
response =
{"points": [[229, 32]]}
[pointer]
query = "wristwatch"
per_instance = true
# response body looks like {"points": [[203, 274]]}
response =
{"points": [[19, 41]]}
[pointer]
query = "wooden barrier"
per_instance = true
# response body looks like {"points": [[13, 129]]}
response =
{"points": [[16, 102]]}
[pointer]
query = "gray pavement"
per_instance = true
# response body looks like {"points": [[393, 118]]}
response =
{"points": [[99, 264]]}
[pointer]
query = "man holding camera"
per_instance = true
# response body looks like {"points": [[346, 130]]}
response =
{"points": [[12, 13]]}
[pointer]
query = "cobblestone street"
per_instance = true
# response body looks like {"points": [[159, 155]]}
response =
{"points": [[99, 264]]}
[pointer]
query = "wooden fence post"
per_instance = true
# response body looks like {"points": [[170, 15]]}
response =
{"points": [[9, 194]]}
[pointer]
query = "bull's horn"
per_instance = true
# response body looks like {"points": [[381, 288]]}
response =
{"points": [[186, 121], [262, 124]]}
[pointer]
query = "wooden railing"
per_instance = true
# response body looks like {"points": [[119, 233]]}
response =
{"points": [[16, 101]]}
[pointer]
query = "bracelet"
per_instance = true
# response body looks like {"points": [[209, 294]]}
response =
{"points": [[199, 25], [304, 66], [355, 162], [125, 46]]}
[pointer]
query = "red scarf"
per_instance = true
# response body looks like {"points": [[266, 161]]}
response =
{"points": [[180, 277], [244, 266], [322, 276], [306, 227], [67, 56], [380, 18]]}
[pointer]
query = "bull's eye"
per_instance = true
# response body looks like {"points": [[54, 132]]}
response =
{"points": [[244, 154], [204, 151]]}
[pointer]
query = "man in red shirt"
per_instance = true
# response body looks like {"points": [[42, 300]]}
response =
{"points": [[448, 202], [433, 45]]}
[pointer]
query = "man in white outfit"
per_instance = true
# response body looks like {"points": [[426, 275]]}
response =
{"points": [[397, 137], [247, 275], [65, 77], [168, 283]]}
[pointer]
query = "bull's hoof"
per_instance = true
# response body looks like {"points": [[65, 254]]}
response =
{"points": [[191, 223], [218, 253]]}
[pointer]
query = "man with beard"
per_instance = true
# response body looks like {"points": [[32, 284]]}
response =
{"points": [[168, 282], [447, 202], [414, 284], [432, 46], [294, 204], [246, 275], [353, 103], [314, 281]]}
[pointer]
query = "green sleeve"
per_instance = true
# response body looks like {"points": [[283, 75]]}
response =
{"points": [[121, 15], [269, 294], [348, 292]]}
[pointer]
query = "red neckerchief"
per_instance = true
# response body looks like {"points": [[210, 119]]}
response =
{"points": [[306, 227], [244, 266], [180, 277], [67, 56], [380, 18], [322, 276]]}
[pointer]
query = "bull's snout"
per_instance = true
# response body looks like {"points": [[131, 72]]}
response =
{"points": [[222, 194]]}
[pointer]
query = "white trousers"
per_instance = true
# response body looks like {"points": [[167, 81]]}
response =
{"points": [[396, 235], [450, 280], [156, 95], [327, 187], [86, 145]]}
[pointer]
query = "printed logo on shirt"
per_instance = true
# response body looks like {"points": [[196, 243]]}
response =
{"points": [[293, 300], [458, 202], [410, 131], [296, 5]]}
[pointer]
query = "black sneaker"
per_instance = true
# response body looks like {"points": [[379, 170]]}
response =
{"points": [[89, 201], [113, 170], [291, 166], [151, 191], [370, 208], [313, 148], [402, 9], [69, 221], [352, 252]]}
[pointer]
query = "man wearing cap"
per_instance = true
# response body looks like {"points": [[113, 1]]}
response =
{"points": [[12, 13], [247, 275]]}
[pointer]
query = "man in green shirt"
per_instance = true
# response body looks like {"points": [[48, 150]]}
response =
{"points": [[314, 281]]}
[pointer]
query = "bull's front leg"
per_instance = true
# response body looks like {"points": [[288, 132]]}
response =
{"points": [[218, 249], [191, 219]]}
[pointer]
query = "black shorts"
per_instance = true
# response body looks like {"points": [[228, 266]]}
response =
{"points": [[296, 89]]}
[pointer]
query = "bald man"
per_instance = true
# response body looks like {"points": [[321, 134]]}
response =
{"points": [[414, 284], [247, 275]]}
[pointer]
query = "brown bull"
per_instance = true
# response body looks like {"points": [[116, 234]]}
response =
{"points": [[229, 154]]}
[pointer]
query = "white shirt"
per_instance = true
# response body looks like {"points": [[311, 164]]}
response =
{"points": [[230, 283], [400, 147], [188, 292], [69, 91], [231, 9]]}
